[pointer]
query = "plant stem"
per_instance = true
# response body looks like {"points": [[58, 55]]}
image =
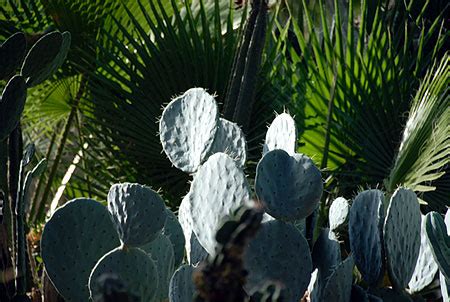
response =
{"points": [[61, 145]]}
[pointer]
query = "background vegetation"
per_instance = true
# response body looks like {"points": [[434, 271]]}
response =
{"points": [[354, 75]]}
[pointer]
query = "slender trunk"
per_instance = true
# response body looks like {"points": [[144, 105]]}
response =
{"points": [[61, 145]]}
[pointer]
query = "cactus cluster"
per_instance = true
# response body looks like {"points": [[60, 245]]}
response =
{"points": [[43, 58], [154, 256]]}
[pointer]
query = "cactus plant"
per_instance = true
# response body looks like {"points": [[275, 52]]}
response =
{"points": [[426, 267], [439, 241], [182, 287], [45, 57], [401, 234], [365, 234], [12, 52], [289, 187], [12, 104], [282, 134], [133, 267], [187, 128], [221, 183], [69, 232], [279, 253], [130, 205], [338, 215]]}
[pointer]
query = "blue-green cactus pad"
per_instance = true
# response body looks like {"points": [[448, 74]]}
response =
{"points": [[12, 52], [365, 232], [326, 255], [447, 221], [138, 213], [278, 253], [358, 294], [426, 267], [182, 286], [172, 229], [187, 128], [282, 134], [339, 285], [439, 241], [289, 187], [12, 104], [219, 188], [402, 236], [161, 252], [338, 214], [76, 236], [230, 139], [185, 219], [445, 287], [45, 57], [131, 265]]}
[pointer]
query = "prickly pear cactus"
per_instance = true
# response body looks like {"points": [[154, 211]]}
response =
{"points": [[230, 139], [326, 255], [182, 287], [426, 267], [75, 237], [282, 134], [173, 230], [45, 57], [12, 52], [187, 128], [281, 254], [402, 236], [439, 241], [289, 187], [219, 188], [161, 252], [338, 214], [339, 285], [130, 206], [365, 233], [12, 104], [133, 267]]}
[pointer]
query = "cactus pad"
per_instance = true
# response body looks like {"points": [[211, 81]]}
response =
{"points": [[12, 52], [75, 237], [365, 232], [12, 104], [282, 134], [219, 188], [281, 254], [138, 213], [402, 236], [445, 287], [182, 286], [230, 139], [161, 252], [338, 214], [426, 266], [172, 229], [339, 284], [439, 241], [133, 267], [289, 187], [45, 57], [187, 128], [326, 255]]}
